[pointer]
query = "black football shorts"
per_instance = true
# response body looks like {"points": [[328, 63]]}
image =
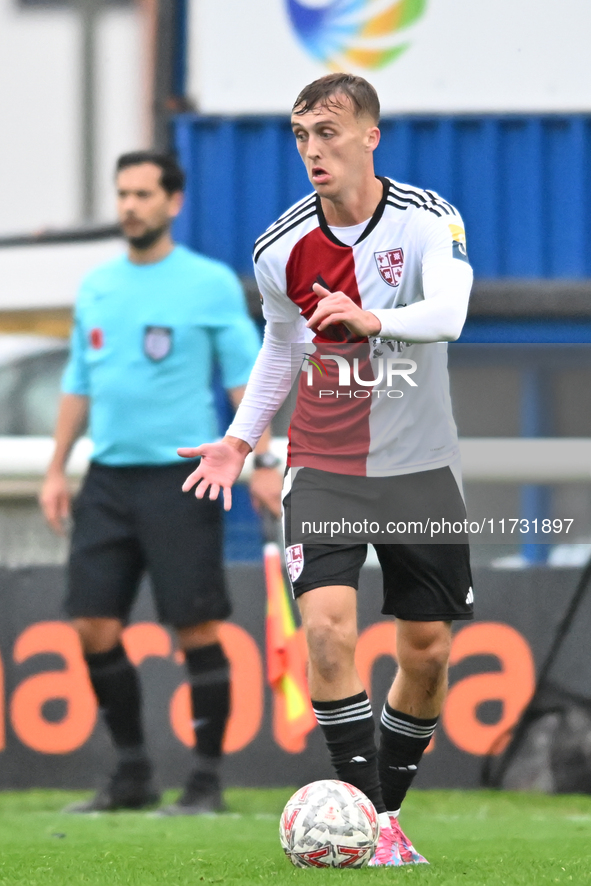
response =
{"points": [[132, 520], [421, 582]]}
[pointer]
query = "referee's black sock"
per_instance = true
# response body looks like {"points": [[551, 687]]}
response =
{"points": [[403, 741], [348, 728], [209, 674], [117, 688]]}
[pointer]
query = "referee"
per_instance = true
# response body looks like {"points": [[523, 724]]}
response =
{"points": [[149, 326]]}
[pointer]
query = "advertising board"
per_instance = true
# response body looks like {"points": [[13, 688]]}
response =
{"points": [[423, 56], [51, 735]]}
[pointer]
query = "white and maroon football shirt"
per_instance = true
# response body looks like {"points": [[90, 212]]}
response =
{"points": [[366, 428]]}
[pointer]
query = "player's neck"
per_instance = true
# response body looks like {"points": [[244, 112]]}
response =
{"points": [[154, 253], [353, 206]]}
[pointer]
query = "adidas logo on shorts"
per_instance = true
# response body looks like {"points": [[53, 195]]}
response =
{"points": [[470, 597]]}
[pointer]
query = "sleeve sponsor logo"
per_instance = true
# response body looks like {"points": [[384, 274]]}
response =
{"points": [[459, 248]]}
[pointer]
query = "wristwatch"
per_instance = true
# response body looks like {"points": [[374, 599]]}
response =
{"points": [[266, 460]]}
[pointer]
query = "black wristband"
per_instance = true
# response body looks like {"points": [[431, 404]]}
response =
{"points": [[266, 460]]}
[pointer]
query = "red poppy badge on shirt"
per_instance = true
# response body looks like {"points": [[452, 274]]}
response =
{"points": [[96, 338]]}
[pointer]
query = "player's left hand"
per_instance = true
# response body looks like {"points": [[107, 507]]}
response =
{"points": [[336, 307], [265, 490]]}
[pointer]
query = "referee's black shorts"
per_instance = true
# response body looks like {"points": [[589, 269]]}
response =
{"points": [[129, 520], [422, 582]]}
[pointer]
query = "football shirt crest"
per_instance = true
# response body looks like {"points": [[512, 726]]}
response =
{"points": [[294, 560], [390, 265]]}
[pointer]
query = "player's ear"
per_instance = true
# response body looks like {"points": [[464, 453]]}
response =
{"points": [[372, 138]]}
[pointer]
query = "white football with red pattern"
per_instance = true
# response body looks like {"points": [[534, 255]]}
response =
{"points": [[329, 824]]}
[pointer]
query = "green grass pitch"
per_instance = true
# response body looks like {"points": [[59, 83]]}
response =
{"points": [[473, 837]]}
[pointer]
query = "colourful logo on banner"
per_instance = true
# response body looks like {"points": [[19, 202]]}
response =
{"points": [[354, 33]]}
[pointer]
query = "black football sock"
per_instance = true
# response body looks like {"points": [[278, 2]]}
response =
{"points": [[403, 741], [348, 728], [117, 688], [209, 674]]}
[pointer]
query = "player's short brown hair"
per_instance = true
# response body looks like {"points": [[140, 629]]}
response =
{"points": [[329, 89]]}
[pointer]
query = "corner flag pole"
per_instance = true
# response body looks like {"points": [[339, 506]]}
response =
{"points": [[293, 716]]}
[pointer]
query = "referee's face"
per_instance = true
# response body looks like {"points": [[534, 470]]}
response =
{"points": [[336, 147], [144, 208]]}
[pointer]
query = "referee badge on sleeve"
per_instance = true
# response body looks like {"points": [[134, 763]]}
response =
{"points": [[157, 342]]}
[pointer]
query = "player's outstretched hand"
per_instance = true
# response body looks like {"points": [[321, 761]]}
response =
{"points": [[219, 468], [336, 307]]}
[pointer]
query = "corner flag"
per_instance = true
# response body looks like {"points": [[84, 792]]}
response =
{"points": [[293, 716]]}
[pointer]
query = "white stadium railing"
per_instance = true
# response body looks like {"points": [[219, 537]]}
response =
{"points": [[526, 459], [24, 460]]}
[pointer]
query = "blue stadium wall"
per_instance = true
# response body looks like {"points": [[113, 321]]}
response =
{"points": [[522, 183]]}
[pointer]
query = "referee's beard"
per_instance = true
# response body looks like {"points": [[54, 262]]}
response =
{"points": [[149, 237]]}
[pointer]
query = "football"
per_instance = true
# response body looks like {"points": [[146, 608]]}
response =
{"points": [[329, 824]]}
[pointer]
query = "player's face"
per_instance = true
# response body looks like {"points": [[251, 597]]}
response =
{"points": [[336, 146], [144, 208]]}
